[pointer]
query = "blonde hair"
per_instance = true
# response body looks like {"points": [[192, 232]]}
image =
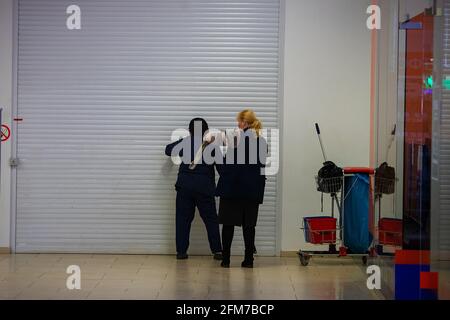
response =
{"points": [[248, 116]]}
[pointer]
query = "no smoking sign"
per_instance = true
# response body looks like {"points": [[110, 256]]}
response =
{"points": [[5, 133]]}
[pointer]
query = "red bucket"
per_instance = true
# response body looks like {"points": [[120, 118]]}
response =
{"points": [[319, 230], [390, 231]]}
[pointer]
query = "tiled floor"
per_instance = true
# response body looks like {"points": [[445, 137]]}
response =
{"points": [[43, 276]]}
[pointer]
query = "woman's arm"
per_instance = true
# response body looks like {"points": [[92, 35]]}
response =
{"points": [[170, 147]]}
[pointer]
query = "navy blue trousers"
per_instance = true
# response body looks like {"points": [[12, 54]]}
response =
{"points": [[185, 210]]}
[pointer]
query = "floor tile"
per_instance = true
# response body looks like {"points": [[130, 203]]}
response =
{"points": [[141, 294], [37, 294]]}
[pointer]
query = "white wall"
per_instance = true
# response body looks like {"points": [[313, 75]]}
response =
{"points": [[6, 7], [326, 80]]}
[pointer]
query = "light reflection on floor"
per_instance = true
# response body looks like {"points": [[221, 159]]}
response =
{"points": [[43, 276]]}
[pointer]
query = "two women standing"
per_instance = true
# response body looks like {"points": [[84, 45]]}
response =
{"points": [[240, 188]]}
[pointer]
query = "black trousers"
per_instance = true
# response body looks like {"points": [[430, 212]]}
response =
{"points": [[185, 210], [227, 239]]}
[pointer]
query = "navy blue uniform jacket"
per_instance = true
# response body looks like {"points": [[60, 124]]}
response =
{"points": [[244, 181], [202, 178]]}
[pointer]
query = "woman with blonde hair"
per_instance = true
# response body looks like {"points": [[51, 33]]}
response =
{"points": [[241, 186]]}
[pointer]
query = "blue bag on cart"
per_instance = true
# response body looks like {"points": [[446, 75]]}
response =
{"points": [[356, 213]]}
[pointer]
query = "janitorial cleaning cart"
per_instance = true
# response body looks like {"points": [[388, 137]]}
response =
{"points": [[346, 230]]}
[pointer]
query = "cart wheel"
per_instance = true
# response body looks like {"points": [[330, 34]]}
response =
{"points": [[379, 249], [364, 260], [304, 259], [373, 252], [332, 248]]}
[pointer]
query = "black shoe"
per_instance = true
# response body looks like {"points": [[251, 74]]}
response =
{"points": [[225, 264], [247, 264], [218, 256], [182, 256]]}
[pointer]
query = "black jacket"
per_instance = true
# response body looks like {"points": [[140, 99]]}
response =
{"points": [[244, 179], [202, 178]]}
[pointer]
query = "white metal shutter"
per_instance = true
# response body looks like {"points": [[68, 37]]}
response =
{"points": [[444, 161], [99, 105]]}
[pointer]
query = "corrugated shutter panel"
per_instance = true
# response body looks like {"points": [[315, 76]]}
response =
{"points": [[99, 105], [444, 161]]}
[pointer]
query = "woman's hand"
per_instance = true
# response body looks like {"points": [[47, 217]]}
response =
{"points": [[209, 137], [233, 137], [218, 137]]}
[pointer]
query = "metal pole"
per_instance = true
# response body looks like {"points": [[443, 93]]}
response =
{"points": [[320, 141], [332, 205]]}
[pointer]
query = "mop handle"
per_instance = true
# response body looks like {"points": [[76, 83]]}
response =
{"points": [[391, 140], [198, 155], [320, 141]]}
